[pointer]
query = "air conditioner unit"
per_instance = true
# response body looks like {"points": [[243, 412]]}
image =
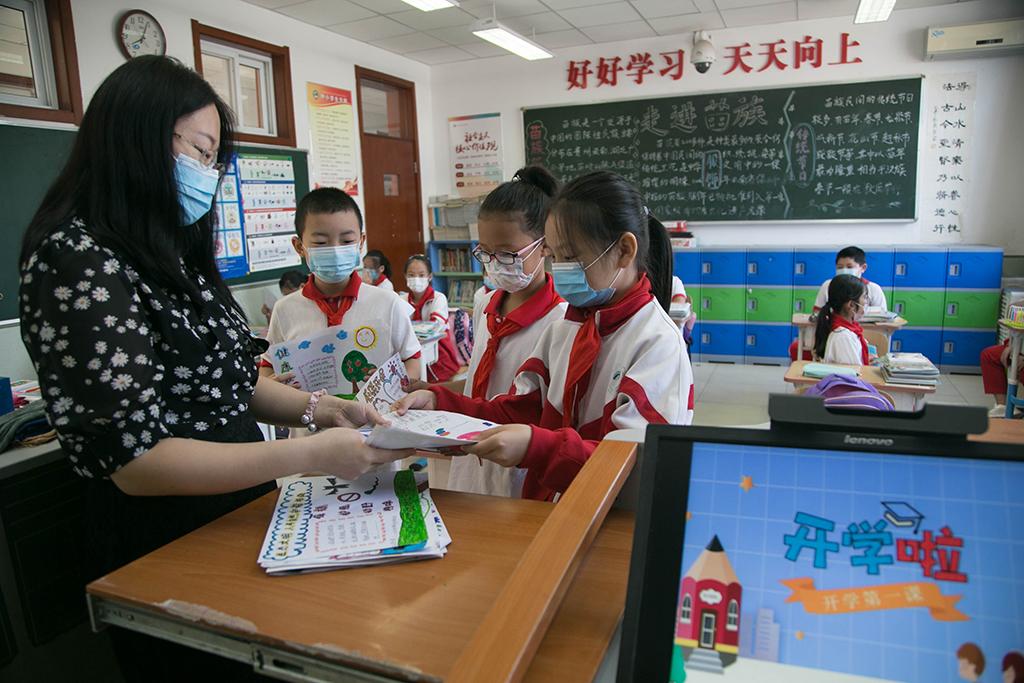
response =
{"points": [[991, 38]]}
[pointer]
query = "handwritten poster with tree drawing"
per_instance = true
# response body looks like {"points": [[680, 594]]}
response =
{"points": [[338, 359]]}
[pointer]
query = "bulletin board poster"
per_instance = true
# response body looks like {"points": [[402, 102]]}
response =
{"points": [[475, 145], [332, 138], [229, 240], [266, 186]]}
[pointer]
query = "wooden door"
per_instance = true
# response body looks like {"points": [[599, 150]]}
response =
{"points": [[391, 180]]}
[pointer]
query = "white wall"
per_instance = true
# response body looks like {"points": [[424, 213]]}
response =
{"points": [[316, 55], [891, 49]]}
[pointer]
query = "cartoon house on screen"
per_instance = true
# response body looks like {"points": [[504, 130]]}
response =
{"points": [[708, 621]]}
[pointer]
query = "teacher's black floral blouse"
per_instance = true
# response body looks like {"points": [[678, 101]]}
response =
{"points": [[122, 362]]}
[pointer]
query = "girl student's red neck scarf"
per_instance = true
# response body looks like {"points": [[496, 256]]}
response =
{"points": [[380, 278], [417, 308], [597, 323], [334, 307], [529, 312], [839, 321]]}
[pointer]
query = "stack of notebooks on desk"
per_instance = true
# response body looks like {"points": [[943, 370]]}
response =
{"points": [[909, 368], [427, 330], [878, 314], [322, 523]]}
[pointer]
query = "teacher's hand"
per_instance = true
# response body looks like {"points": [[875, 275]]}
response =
{"points": [[332, 411], [343, 453]]}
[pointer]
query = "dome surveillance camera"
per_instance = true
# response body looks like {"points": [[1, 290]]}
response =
{"points": [[703, 55]]}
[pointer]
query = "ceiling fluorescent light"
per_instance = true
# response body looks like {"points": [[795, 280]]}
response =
{"points": [[431, 5], [494, 32], [873, 10]]}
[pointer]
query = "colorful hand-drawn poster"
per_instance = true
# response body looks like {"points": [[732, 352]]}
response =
{"points": [[386, 385]]}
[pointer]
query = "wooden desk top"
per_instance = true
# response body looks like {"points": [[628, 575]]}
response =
{"points": [[1001, 431], [804, 320], [869, 373], [409, 620]]}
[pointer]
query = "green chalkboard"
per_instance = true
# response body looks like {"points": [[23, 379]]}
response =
{"points": [[32, 159], [815, 153]]}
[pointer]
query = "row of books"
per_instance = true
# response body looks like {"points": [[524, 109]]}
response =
{"points": [[455, 260], [461, 293], [909, 368]]}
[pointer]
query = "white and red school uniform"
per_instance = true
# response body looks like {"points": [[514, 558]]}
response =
{"points": [[618, 366], [846, 343], [308, 311], [479, 297], [433, 306], [500, 346], [385, 283], [876, 297], [678, 290]]}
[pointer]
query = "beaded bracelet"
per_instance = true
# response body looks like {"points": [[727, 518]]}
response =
{"points": [[307, 417]]}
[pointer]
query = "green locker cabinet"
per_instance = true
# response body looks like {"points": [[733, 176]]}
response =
{"points": [[971, 308], [920, 307], [803, 300], [769, 304], [722, 303]]}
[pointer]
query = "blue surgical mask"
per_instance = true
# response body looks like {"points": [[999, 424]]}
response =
{"points": [[197, 186], [333, 264], [572, 285], [848, 271], [490, 284]]}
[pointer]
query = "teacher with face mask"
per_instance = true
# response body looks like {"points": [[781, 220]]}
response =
{"points": [[144, 358]]}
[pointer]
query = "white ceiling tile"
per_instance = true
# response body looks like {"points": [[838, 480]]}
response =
{"points": [[823, 9], [704, 21], [536, 23], [326, 12], [440, 18], [409, 43], [614, 13], [736, 4], [483, 9], [651, 9], [440, 55], [481, 48], [706, 5], [761, 14], [560, 39], [559, 5], [273, 4], [371, 29], [454, 35], [613, 32], [383, 6]]}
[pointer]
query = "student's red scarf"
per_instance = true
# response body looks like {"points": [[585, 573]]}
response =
{"points": [[597, 323], [380, 279], [334, 307], [417, 308], [529, 312], [839, 321]]}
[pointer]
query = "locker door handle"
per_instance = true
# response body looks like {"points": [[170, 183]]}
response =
{"points": [[752, 268], [705, 338], [705, 267], [899, 307], [799, 268], [751, 304], [751, 340], [948, 347], [705, 303], [799, 305], [896, 345], [954, 269], [952, 309], [901, 268]]}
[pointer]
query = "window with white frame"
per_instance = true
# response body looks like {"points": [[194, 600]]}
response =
{"points": [[686, 610], [26, 65], [732, 617], [244, 80]]}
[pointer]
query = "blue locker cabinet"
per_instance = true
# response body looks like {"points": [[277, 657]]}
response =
{"points": [[919, 340], [767, 343], [769, 268], [722, 267], [974, 268], [812, 267], [721, 341], [686, 267], [695, 345], [881, 267], [961, 349], [919, 268]]}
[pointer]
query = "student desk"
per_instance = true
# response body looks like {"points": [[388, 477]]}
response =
{"points": [[1016, 332], [481, 613], [805, 331], [907, 397]]}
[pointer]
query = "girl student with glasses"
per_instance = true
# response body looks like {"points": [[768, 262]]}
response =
{"points": [[615, 361], [510, 319]]}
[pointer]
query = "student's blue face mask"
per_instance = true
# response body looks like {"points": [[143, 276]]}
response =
{"points": [[333, 264], [197, 186], [572, 285]]}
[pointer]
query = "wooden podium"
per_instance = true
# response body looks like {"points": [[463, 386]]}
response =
{"points": [[528, 591]]}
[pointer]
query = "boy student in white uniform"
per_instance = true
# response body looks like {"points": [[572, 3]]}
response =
{"points": [[616, 361], [849, 261], [330, 238], [838, 336], [509, 320]]}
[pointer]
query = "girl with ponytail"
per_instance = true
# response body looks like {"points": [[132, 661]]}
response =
{"points": [[616, 360], [838, 336]]}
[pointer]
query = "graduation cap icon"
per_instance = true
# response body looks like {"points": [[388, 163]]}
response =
{"points": [[902, 515]]}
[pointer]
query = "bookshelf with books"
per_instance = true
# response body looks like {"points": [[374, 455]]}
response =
{"points": [[454, 236]]}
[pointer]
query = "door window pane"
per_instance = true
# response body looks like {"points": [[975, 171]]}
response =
{"points": [[251, 80], [16, 77], [382, 109], [217, 72]]}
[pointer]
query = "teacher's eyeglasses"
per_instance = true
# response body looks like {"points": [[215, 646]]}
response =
{"points": [[207, 158]]}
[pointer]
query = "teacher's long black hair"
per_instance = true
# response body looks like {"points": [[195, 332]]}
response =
{"points": [[119, 178]]}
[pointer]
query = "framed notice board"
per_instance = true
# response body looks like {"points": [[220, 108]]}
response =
{"points": [[815, 153], [38, 155]]}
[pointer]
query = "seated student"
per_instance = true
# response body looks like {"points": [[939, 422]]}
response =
{"points": [[838, 337], [849, 261], [679, 296], [291, 281], [510, 319], [330, 237], [616, 361], [377, 270], [995, 362], [429, 305]]}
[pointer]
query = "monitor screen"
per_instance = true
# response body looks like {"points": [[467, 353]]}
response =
{"points": [[866, 566]]}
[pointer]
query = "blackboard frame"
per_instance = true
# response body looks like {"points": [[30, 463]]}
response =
{"points": [[806, 221]]}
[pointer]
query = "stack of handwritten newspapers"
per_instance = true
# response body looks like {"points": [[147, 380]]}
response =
{"points": [[386, 516]]}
